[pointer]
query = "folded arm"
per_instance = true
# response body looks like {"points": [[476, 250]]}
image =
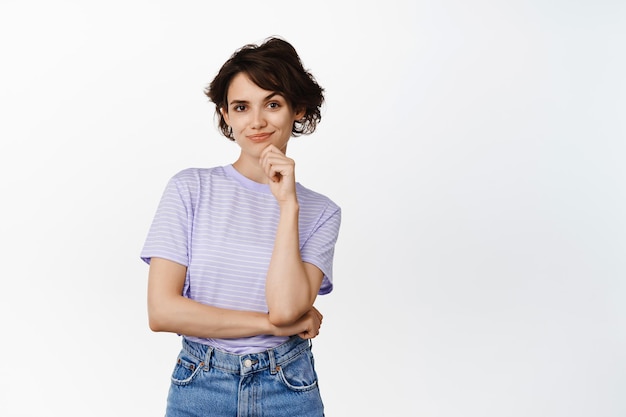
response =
{"points": [[291, 285], [170, 311]]}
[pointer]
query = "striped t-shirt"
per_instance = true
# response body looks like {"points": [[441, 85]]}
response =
{"points": [[221, 226]]}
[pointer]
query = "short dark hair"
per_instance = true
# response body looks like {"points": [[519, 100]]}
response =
{"points": [[275, 66]]}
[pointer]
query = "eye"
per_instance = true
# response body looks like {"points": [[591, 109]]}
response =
{"points": [[273, 105], [239, 107]]}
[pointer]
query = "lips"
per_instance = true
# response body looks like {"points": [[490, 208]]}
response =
{"points": [[259, 137]]}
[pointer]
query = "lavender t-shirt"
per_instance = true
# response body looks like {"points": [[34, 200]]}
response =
{"points": [[221, 226]]}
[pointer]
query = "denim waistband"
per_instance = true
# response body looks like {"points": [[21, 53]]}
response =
{"points": [[247, 363]]}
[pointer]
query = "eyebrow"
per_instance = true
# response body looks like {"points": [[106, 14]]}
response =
{"points": [[269, 96]]}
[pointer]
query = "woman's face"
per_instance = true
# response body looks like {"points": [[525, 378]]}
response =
{"points": [[258, 117]]}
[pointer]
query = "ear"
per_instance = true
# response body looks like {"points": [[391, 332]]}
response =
{"points": [[224, 114], [299, 114]]}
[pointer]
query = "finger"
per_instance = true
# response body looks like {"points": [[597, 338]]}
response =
{"points": [[269, 168], [274, 171], [278, 169], [270, 149], [272, 154], [274, 159], [273, 165]]}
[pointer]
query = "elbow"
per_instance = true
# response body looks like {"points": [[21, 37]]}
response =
{"points": [[282, 318], [283, 314], [157, 320], [155, 325]]}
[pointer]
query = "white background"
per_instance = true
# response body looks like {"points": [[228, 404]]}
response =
{"points": [[477, 150]]}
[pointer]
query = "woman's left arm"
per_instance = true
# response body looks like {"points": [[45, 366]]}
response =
{"points": [[291, 285]]}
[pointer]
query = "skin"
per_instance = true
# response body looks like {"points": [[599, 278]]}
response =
{"points": [[261, 122]]}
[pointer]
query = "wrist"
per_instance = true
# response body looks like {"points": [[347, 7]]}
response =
{"points": [[273, 329], [289, 206]]}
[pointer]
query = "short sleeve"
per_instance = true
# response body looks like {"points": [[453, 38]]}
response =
{"points": [[168, 234], [319, 248]]}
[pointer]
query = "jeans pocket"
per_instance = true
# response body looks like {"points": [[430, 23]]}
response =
{"points": [[299, 374], [186, 369]]}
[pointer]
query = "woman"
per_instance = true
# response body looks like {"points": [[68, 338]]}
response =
{"points": [[238, 253]]}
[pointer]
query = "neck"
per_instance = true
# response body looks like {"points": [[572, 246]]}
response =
{"points": [[250, 169]]}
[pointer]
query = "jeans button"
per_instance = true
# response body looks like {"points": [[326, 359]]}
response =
{"points": [[247, 363]]}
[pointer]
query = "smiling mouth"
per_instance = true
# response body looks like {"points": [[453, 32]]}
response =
{"points": [[259, 137]]}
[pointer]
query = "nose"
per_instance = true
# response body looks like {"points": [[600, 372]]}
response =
{"points": [[258, 119]]}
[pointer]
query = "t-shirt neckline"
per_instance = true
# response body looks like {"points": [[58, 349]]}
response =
{"points": [[245, 181]]}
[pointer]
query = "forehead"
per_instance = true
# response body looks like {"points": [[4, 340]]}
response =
{"points": [[242, 88]]}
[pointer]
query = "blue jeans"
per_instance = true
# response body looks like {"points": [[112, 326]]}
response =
{"points": [[279, 382]]}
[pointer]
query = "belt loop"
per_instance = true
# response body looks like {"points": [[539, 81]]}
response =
{"points": [[273, 367], [207, 358]]}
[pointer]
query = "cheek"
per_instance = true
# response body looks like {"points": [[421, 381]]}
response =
{"points": [[284, 122], [234, 122]]}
